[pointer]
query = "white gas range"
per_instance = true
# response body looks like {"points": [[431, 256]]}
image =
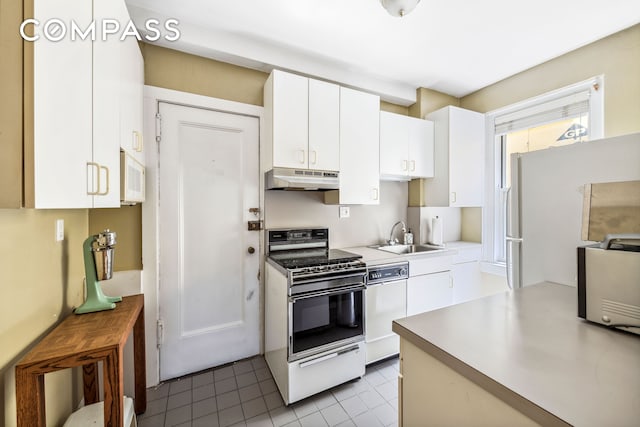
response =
{"points": [[314, 313]]}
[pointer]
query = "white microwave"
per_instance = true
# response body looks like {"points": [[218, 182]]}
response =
{"points": [[131, 180]]}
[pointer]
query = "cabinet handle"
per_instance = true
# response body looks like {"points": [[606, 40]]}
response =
{"points": [[138, 143], [106, 191], [404, 165], [97, 167], [301, 156], [453, 197], [413, 165], [315, 157], [375, 194]]}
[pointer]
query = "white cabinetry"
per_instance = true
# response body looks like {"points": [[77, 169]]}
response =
{"points": [[429, 286], [406, 147], [465, 271], [302, 116], [459, 158], [359, 149], [73, 156], [385, 302]]}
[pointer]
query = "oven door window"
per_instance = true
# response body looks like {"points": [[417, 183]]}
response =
{"points": [[325, 319]]}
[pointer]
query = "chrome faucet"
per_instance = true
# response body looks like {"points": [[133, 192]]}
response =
{"points": [[392, 240]]}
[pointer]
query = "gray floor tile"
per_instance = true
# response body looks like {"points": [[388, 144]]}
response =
{"points": [[354, 406], [185, 424], [254, 407], [389, 373], [313, 420], [178, 386], [178, 416], [210, 420], [375, 378], [367, 420], [393, 403], [244, 380], [204, 392], [177, 400], [371, 398], [304, 408], [258, 363], [348, 423], [250, 392], [226, 385], [223, 373], [242, 367], [155, 407], [268, 386], [273, 400], [202, 379], [204, 407], [324, 399], [262, 420], [361, 385], [227, 400], [334, 414], [388, 390], [153, 421], [263, 374], [385, 413], [345, 391], [157, 392], [282, 415], [295, 423], [230, 416]]}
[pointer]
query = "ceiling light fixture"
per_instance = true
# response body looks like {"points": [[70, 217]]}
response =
{"points": [[399, 8]]}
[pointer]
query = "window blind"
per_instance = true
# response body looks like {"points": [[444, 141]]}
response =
{"points": [[566, 107]]}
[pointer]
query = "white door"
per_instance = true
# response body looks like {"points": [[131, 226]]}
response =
{"points": [[209, 294]]}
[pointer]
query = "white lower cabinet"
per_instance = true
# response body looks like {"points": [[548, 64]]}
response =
{"points": [[465, 272], [429, 292]]}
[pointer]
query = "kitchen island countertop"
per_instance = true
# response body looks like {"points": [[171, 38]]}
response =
{"points": [[529, 348]]}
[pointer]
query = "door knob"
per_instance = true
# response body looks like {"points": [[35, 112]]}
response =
{"points": [[251, 249]]}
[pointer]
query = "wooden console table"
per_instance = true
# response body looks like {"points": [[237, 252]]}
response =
{"points": [[84, 340]]}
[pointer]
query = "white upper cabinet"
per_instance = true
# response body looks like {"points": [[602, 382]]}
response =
{"points": [[359, 148], [406, 147], [78, 89], [459, 158], [324, 125], [302, 117]]}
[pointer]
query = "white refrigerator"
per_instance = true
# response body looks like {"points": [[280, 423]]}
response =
{"points": [[545, 201]]}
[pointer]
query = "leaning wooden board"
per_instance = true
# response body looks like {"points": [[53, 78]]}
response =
{"points": [[611, 207]]}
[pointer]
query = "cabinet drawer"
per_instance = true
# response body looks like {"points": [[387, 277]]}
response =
{"points": [[429, 264], [467, 254]]}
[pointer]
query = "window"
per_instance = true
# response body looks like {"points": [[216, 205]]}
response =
{"points": [[569, 115]]}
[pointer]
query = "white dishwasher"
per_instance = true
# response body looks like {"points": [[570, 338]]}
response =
{"points": [[386, 300]]}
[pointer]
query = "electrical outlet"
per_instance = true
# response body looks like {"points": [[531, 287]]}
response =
{"points": [[59, 230], [344, 212]]}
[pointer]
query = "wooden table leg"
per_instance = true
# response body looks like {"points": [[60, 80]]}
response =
{"points": [[90, 382], [30, 399], [139, 365], [113, 373]]}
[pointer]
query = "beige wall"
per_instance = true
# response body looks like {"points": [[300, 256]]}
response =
{"points": [[127, 223], [616, 56], [428, 101], [41, 280]]}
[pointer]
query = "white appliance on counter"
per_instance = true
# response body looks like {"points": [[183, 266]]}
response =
{"points": [[386, 301], [314, 313], [545, 202]]}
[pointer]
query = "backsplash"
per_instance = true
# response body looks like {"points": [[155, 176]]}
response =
{"points": [[366, 225], [420, 223]]}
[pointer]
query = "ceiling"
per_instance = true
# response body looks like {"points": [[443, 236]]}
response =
{"points": [[452, 46]]}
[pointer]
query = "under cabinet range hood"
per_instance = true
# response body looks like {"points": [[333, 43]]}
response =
{"points": [[301, 179]]}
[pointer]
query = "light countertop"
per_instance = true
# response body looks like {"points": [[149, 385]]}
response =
{"points": [[529, 346]]}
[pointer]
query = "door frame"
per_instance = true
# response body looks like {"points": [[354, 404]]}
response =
{"points": [[150, 213]]}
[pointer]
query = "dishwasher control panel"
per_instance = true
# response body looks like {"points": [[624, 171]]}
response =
{"points": [[387, 272]]}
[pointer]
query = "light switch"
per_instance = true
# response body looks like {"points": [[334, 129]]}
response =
{"points": [[59, 230], [344, 212]]}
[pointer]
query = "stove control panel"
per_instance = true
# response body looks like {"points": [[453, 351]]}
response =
{"points": [[387, 273]]}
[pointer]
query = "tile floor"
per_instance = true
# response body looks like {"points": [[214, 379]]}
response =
{"points": [[244, 394]]}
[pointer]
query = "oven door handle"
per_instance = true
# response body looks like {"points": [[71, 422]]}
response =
{"points": [[335, 291], [328, 356]]}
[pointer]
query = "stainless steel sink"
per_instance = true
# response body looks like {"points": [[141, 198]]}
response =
{"points": [[409, 249]]}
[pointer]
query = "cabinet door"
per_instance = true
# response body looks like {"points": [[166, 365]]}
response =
{"points": [[429, 292], [466, 153], [131, 95], [394, 140], [359, 147], [107, 78], [290, 120], [467, 281], [324, 126], [421, 146], [62, 107], [385, 303]]}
